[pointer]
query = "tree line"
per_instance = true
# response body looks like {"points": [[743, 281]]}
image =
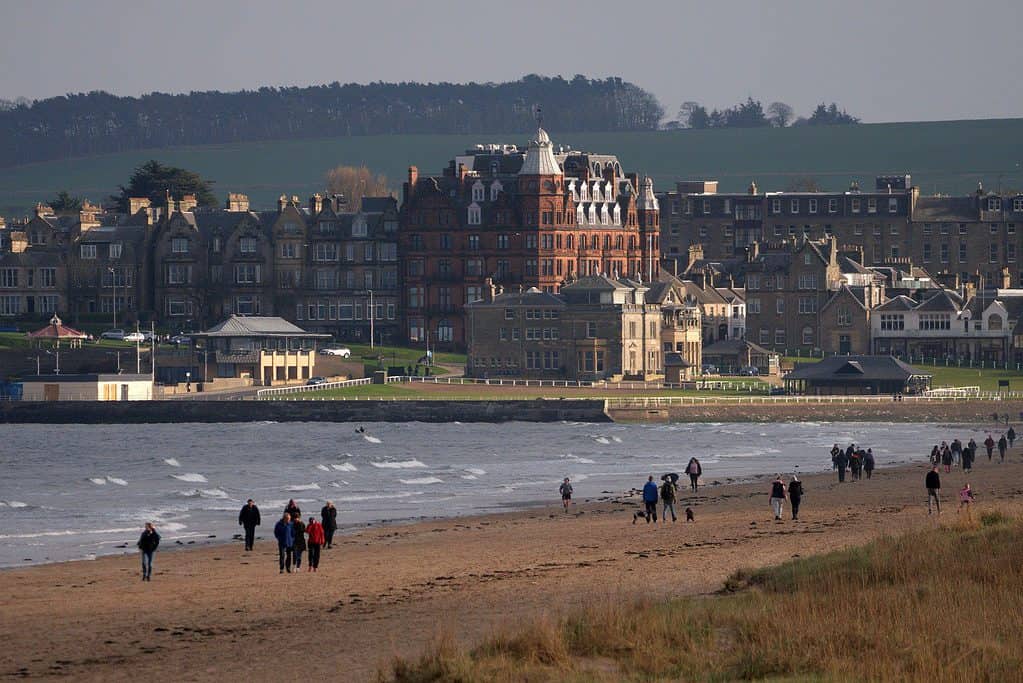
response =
{"points": [[84, 124], [751, 114]]}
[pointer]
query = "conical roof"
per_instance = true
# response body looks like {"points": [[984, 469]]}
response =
{"points": [[540, 156]]}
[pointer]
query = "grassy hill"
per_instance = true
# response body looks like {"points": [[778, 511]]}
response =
{"points": [[947, 157]]}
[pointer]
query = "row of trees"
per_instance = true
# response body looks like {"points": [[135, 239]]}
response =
{"points": [[751, 114], [98, 122]]}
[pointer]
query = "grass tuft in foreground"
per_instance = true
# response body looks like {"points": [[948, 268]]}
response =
{"points": [[938, 605]]}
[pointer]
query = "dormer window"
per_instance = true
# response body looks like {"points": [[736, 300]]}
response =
{"points": [[478, 192], [856, 206], [495, 190], [775, 206], [359, 227], [893, 205], [475, 215], [994, 204], [832, 206], [872, 205], [813, 205], [179, 245], [794, 206], [35, 237], [247, 245], [1017, 204], [88, 251]]}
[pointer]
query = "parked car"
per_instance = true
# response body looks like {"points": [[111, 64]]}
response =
{"points": [[342, 351], [749, 371], [134, 337], [180, 339], [709, 369], [115, 333], [313, 381], [777, 391]]}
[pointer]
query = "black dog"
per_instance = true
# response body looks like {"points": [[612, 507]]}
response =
{"points": [[689, 515], [639, 515]]}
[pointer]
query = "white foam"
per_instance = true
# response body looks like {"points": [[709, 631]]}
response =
{"points": [[469, 476], [98, 481], [116, 480], [68, 532], [204, 493], [340, 484], [171, 526], [359, 499], [303, 487], [173, 462], [422, 480], [323, 468], [345, 467], [194, 477], [576, 458], [478, 471], [16, 504], [398, 465], [616, 439], [371, 439], [602, 439]]}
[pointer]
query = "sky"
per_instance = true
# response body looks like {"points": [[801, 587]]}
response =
{"points": [[903, 60]]}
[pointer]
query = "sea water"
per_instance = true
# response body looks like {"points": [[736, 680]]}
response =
{"points": [[79, 491]]}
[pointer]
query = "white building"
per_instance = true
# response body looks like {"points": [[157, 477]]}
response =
{"points": [[99, 387]]}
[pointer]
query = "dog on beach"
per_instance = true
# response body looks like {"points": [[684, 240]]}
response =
{"points": [[639, 515], [689, 515]]}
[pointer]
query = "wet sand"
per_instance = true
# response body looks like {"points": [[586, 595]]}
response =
{"points": [[219, 612]]}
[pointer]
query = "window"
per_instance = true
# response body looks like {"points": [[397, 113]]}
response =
{"points": [[326, 251], [326, 279], [36, 237], [1010, 229], [115, 250], [475, 215], [927, 252], [994, 228], [591, 330], [779, 337], [808, 280], [993, 256], [349, 252], [531, 267], [807, 260], [478, 192], [445, 331], [893, 229], [359, 227], [752, 282], [247, 245], [935, 321], [289, 250], [706, 207], [793, 206], [177, 307], [813, 205], [807, 336], [415, 268], [894, 251], [927, 230], [844, 317], [832, 206], [47, 303], [858, 229], [88, 251], [9, 277], [179, 245], [855, 205], [502, 241], [807, 304], [246, 305], [872, 205], [753, 306], [1017, 205], [246, 273], [775, 206], [1010, 253], [178, 274], [893, 205], [415, 297], [962, 252], [47, 277], [367, 279], [779, 305], [765, 335], [893, 321], [994, 204], [367, 253]]}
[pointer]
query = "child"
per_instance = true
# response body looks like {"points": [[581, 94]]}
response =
{"points": [[965, 497]]}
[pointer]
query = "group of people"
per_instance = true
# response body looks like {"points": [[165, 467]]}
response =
{"points": [[780, 491], [854, 459], [667, 493], [291, 533], [955, 454]]}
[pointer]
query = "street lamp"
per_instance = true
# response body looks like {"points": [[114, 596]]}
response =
{"points": [[113, 280], [56, 354]]}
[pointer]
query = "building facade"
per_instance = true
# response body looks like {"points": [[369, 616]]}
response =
{"points": [[536, 217]]}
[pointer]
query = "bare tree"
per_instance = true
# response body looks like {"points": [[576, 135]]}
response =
{"points": [[356, 182], [804, 184], [780, 114]]}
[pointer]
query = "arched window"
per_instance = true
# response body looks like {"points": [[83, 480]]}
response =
{"points": [[495, 189], [475, 215], [477, 191], [582, 241], [807, 335], [568, 242], [618, 242], [607, 241], [445, 332]]}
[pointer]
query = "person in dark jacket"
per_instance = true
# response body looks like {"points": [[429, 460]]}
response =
{"points": [[315, 531], [933, 484], [946, 459], [650, 499], [1003, 445], [298, 531], [777, 497], [936, 454], [328, 517], [868, 462], [149, 541], [841, 462], [694, 469], [989, 444], [1012, 436], [856, 464], [796, 495], [285, 535], [969, 451], [292, 509], [248, 518], [668, 501]]}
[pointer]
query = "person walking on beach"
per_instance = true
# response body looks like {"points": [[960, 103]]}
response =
{"points": [[835, 450], [868, 463], [284, 532], [650, 499], [329, 516], [957, 451], [694, 469], [248, 518], [299, 548], [989, 444], [292, 509], [968, 454], [856, 465], [946, 459], [149, 541], [777, 497], [668, 501], [933, 484], [1003, 444], [566, 493], [796, 495], [316, 538], [841, 462], [935, 458], [965, 498], [1012, 436]]}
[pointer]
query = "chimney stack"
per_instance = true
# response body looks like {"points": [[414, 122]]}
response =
{"points": [[237, 201], [316, 204], [282, 202]]}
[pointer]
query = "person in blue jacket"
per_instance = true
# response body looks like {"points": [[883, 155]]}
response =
{"points": [[285, 534], [650, 499]]}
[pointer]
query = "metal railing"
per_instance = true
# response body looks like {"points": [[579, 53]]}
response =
{"points": [[304, 388], [668, 401]]}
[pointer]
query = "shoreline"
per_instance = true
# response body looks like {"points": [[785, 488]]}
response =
{"points": [[215, 611]]}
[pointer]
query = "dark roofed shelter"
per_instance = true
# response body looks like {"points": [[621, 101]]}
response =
{"points": [[856, 375]]}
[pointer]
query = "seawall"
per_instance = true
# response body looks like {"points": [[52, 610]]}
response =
{"points": [[930, 411], [131, 412]]}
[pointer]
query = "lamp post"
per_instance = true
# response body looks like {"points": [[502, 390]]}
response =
{"points": [[113, 281], [56, 354], [372, 315]]}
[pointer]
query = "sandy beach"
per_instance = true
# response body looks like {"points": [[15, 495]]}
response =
{"points": [[219, 612]]}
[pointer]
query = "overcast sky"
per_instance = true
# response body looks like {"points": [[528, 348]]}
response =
{"points": [[884, 61]]}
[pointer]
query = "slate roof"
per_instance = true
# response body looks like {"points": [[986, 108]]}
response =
{"points": [[941, 301], [256, 326], [734, 347], [378, 204], [596, 282], [530, 297], [897, 304], [856, 368], [952, 209]]}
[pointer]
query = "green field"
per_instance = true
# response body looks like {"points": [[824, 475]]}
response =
{"points": [[948, 157]]}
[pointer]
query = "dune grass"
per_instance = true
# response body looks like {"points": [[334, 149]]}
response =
{"points": [[937, 605]]}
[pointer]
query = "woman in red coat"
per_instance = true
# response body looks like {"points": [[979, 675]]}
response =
{"points": [[315, 532]]}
